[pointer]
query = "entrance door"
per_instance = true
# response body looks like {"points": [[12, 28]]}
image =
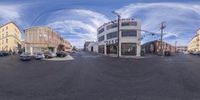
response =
{"points": [[92, 49]]}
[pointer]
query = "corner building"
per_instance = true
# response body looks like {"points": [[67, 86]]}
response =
{"points": [[194, 44], [129, 38], [42, 38], [10, 37]]}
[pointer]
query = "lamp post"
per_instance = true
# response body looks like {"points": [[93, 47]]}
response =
{"points": [[118, 30]]}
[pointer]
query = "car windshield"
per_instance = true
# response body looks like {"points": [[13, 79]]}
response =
{"points": [[99, 49]]}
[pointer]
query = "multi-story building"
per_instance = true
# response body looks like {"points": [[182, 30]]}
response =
{"points": [[42, 38], [129, 37], [181, 49], [154, 47], [92, 47], [86, 44], [10, 37], [194, 44]]}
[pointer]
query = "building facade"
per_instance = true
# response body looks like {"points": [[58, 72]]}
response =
{"points": [[10, 37], [86, 44], [154, 47], [42, 38], [193, 45], [181, 49], [129, 37], [92, 47]]}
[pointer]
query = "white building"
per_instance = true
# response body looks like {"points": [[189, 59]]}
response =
{"points": [[181, 48], [92, 47], [129, 38]]}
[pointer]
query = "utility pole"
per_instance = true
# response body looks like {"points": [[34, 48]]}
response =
{"points": [[118, 32], [175, 46], [161, 36]]}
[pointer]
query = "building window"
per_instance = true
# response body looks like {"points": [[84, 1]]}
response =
{"points": [[101, 38], [129, 23], [111, 35], [101, 31], [126, 33], [128, 49], [111, 26], [3, 30], [101, 49], [111, 49], [6, 27], [6, 40]]}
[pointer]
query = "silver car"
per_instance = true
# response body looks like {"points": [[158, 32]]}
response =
{"points": [[39, 56], [25, 56]]}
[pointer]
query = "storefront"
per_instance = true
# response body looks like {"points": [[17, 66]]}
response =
{"points": [[101, 49], [111, 49], [129, 49]]}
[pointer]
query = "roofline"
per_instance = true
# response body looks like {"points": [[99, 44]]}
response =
{"points": [[20, 30], [10, 23], [132, 19], [48, 28], [157, 40], [194, 35], [38, 27]]}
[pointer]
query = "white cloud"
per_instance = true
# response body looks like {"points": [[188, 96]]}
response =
{"points": [[182, 19], [80, 23], [10, 12]]}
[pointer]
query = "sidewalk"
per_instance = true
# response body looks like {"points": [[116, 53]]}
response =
{"points": [[134, 57]]}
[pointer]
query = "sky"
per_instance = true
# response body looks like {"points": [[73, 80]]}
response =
{"points": [[77, 20]]}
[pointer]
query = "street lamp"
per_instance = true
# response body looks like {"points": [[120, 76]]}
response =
{"points": [[118, 16]]}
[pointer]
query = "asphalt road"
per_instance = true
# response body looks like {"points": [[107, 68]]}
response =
{"points": [[96, 77]]}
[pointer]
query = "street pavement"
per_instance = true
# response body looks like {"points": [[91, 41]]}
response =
{"points": [[96, 77]]}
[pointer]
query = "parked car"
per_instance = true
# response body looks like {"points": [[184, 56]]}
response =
{"points": [[48, 54], [39, 56], [61, 54], [4, 53], [167, 53], [185, 52], [195, 53], [1, 54], [25, 56]]}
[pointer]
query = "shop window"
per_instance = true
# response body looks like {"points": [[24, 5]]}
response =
{"points": [[101, 49], [128, 49]]}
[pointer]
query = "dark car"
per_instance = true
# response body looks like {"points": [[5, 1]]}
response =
{"points": [[1, 54], [61, 54], [4, 53], [167, 53], [25, 57]]}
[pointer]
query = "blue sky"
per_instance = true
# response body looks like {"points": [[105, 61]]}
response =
{"points": [[77, 20]]}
